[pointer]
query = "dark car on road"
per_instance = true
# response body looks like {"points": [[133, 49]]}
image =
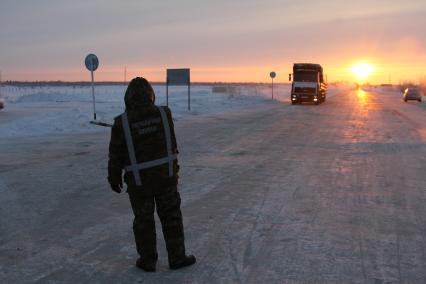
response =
{"points": [[412, 94], [1, 103]]}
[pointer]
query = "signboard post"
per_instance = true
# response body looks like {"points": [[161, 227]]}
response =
{"points": [[179, 77], [273, 75], [92, 63]]}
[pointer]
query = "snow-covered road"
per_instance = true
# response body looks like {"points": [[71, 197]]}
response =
{"points": [[272, 193]]}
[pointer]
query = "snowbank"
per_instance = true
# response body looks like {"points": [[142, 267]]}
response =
{"points": [[41, 110]]}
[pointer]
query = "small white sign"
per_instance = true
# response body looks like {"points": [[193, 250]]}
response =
{"points": [[92, 62]]}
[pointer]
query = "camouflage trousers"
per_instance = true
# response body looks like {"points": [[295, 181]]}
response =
{"points": [[167, 201]]}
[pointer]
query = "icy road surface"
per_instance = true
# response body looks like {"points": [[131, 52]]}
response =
{"points": [[272, 193]]}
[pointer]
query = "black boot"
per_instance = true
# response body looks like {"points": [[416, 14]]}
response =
{"points": [[186, 261], [148, 266]]}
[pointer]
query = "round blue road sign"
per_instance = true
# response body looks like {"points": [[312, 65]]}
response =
{"points": [[92, 62]]}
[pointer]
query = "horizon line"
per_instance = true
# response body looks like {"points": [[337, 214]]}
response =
{"points": [[61, 82]]}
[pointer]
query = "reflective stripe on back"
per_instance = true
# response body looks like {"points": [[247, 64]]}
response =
{"points": [[167, 133], [153, 163], [130, 148]]}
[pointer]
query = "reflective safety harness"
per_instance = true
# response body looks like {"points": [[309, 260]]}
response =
{"points": [[134, 165]]}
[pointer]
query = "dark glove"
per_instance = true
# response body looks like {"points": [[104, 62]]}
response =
{"points": [[117, 187]]}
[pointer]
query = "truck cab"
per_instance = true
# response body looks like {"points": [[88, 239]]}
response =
{"points": [[308, 84]]}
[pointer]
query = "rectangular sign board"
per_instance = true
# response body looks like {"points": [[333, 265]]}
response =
{"points": [[178, 77]]}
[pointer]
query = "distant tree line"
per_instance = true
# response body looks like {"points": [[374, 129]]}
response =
{"points": [[57, 83]]}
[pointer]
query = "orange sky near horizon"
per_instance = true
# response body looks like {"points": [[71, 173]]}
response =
{"points": [[384, 71]]}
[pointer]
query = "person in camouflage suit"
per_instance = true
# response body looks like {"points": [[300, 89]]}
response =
{"points": [[143, 144]]}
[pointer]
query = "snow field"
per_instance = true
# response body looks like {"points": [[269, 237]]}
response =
{"points": [[48, 110]]}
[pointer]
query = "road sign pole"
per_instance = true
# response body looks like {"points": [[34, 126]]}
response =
{"points": [[93, 95], [92, 63], [272, 75], [189, 95], [167, 92]]}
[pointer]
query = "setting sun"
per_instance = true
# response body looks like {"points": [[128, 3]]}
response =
{"points": [[362, 70]]}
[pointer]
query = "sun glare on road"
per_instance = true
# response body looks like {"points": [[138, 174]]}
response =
{"points": [[362, 97], [362, 70]]}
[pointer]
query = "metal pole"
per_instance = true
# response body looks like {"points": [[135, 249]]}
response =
{"points": [[272, 88], [93, 96], [189, 95], [167, 92]]}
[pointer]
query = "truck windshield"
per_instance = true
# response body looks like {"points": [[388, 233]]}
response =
{"points": [[305, 76], [413, 91]]}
